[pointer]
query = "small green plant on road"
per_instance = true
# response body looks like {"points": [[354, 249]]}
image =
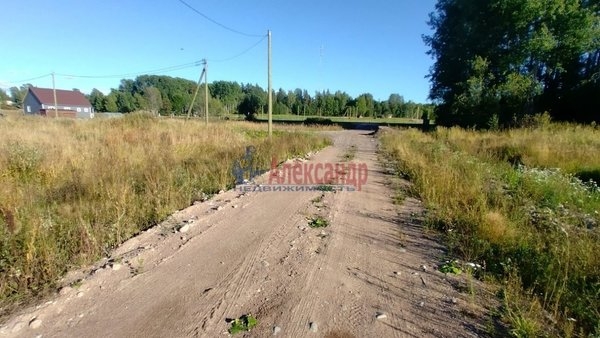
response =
{"points": [[318, 222], [242, 324]]}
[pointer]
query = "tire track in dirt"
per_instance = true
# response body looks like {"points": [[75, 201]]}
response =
{"points": [[302, 314], [361, 314], [233, 285]]}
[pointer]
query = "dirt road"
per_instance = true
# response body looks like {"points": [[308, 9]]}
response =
{"points": [[241, 253]]}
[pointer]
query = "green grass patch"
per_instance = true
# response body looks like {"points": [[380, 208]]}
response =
{"points": [[318, 222], [451, 267], [243, 324]]}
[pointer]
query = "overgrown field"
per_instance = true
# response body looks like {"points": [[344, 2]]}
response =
{"points": [[525, 205], [70, 191]]}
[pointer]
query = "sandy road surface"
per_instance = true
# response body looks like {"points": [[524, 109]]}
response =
{"points": [[253, 253]]}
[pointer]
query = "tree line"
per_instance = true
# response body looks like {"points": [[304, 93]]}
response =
{"points": [[167, 95], [497, 62]]}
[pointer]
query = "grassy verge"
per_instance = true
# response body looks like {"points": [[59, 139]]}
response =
{"points": [[70, 191], [520, 203]]}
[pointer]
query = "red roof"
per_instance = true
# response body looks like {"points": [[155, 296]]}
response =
{"points": [[63, 97]]}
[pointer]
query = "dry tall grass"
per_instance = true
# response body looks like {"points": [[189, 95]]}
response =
{"points": [[71, 190], [501, 203], [571, 147]]}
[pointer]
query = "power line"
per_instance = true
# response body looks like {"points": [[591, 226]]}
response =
{"points": [[218, 23], [148, 72], [27, 80], [242, 52], [159, 70]]}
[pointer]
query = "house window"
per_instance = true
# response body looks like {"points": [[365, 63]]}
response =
{"points": [[85, 110], [78, 109], [29, 109]]}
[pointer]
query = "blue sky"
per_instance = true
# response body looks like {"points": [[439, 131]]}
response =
{"points": [[355, 46]]}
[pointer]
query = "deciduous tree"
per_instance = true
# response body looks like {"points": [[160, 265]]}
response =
{"points": [[504, 59], [153, 99], [97, 100]]}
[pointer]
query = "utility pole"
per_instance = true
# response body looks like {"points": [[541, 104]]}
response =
{"points": [[206, 91], [189, 114], [54, 94], [321, 49], [270, 95]]}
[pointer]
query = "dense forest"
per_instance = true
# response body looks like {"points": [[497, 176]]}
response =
{"points": [[499, 61], [167, 95]]}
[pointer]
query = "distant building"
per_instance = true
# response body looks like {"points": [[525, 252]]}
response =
{"points": [[70, 103]]}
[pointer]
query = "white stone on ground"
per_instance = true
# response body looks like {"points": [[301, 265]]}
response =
{"points": [[35, 323], [276, 330], [380, 315]]}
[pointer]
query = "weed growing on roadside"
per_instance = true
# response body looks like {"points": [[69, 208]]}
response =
{"points": [[450, 267], [318, 222], [243, 324]]}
